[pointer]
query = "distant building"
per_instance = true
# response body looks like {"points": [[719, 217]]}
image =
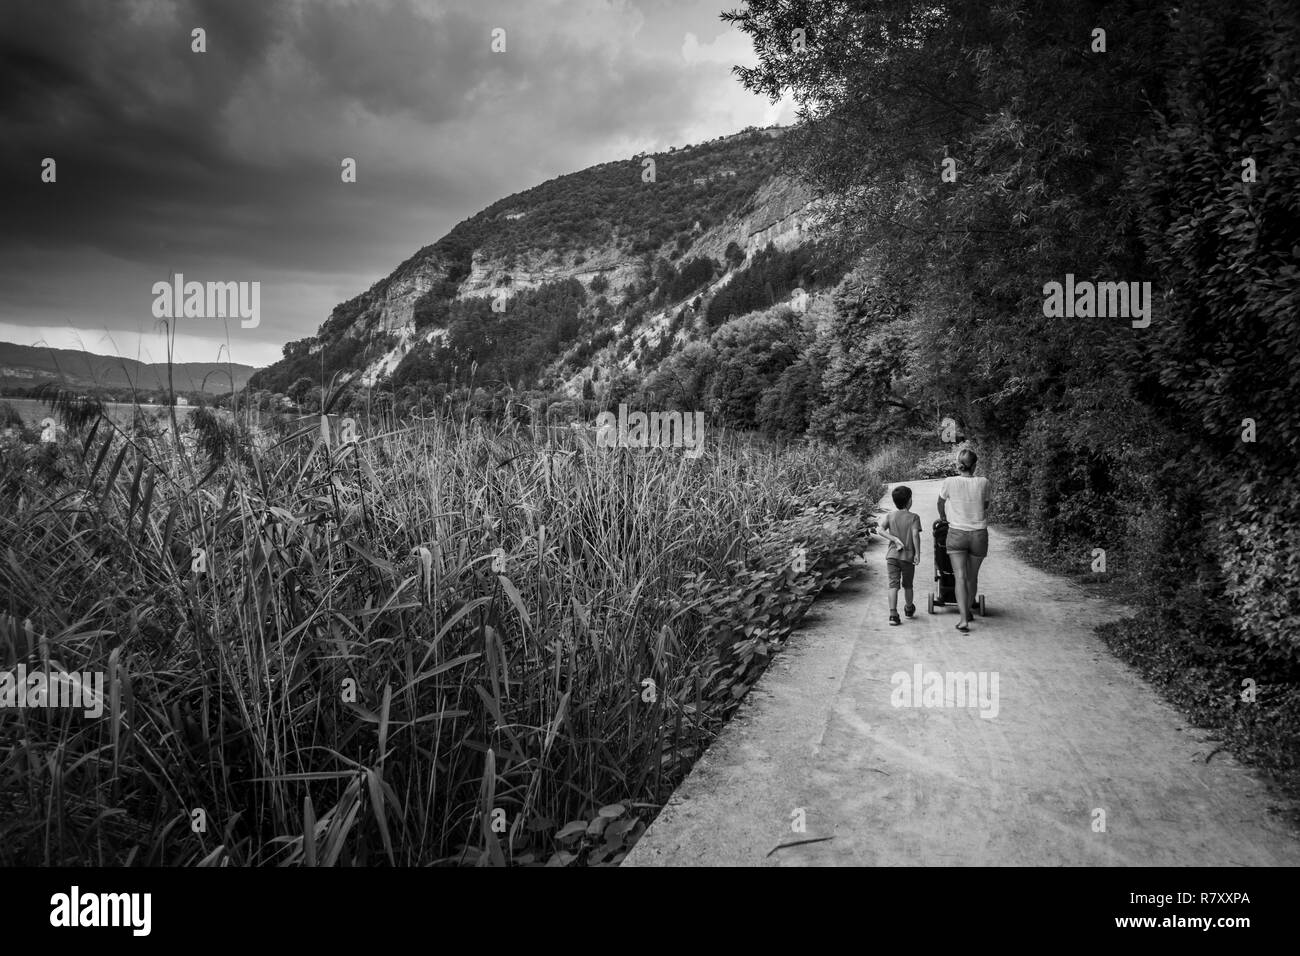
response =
{"points": [[182, 401], [719, 174]]}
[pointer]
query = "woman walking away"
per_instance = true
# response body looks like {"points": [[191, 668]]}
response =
{"points": [[963, 503]]}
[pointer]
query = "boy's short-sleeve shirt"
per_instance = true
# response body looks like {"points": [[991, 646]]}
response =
{"points": [[965, 495], [901, 524]]}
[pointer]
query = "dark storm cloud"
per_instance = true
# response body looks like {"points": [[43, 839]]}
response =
{"points": [[392, 59], [226, 163], [125, 109]]}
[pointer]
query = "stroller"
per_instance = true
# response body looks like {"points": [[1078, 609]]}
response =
{"points": [[947, 582]]}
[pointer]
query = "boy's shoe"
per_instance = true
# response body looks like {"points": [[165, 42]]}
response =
{"points": [[893, 618], [909, 609]]}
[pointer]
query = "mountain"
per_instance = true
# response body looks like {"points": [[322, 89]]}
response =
{"points": [[589, 269], [26, 366]]}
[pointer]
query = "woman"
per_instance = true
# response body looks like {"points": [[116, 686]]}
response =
{"points": [[963, 503]]}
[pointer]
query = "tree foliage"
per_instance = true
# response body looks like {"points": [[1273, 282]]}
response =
{"points": [[1124, 165]]}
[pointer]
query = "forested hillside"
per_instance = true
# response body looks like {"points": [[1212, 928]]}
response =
{"points": [[643, 232]]}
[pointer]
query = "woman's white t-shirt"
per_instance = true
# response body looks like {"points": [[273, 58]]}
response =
{"points": [[965, 495]]}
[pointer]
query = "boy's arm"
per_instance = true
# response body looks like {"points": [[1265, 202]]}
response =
{"points": [[916, 538], [886, 535], [880, 530]]}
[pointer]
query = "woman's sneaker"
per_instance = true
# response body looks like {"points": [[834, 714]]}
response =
{"points": [[909, 609], [893, 618]]}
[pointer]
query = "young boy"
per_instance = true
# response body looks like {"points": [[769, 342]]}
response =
{"points": [[903, 529]]}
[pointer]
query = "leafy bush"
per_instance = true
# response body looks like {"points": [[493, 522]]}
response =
{"points": [[939, 463], [1256, 539]]}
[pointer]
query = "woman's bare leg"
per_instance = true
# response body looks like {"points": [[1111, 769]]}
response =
{"points": [[959, 573], [973, 576]]}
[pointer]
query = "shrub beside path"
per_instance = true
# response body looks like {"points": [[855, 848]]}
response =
{"points": [[1076, 731]]}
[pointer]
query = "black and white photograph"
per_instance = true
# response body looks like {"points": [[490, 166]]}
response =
{"points": [[641, 434]]}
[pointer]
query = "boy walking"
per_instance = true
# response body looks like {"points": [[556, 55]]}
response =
{"points": [[903, 529]]}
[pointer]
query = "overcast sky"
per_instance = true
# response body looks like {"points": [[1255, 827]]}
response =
{"points": [[224, 165]]}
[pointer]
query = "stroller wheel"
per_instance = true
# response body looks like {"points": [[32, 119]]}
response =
{"points": [[983, 611], [929, 602]]}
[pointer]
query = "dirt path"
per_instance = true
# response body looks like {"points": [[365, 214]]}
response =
{"points": [[1075, 731]]}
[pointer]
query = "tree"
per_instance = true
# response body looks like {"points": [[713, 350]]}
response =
{"points": [[750, 354], [734, 255], [298, 390], [681, 382], [1043, 135], [622, 388]]}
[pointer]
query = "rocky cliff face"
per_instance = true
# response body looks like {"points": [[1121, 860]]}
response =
{"points": [[782, 214], [601, 223], [391, 302]]}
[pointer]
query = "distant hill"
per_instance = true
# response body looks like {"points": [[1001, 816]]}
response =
{"points": [[607, 267], [27, 366]]}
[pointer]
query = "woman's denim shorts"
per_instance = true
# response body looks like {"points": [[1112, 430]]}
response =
{"points": [[976, 543]]}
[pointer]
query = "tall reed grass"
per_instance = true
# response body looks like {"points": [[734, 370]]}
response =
{"points": [[444, 643]]}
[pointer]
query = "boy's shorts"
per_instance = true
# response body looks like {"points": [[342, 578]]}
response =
{"points": [[976, 543], [898, 568]]}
